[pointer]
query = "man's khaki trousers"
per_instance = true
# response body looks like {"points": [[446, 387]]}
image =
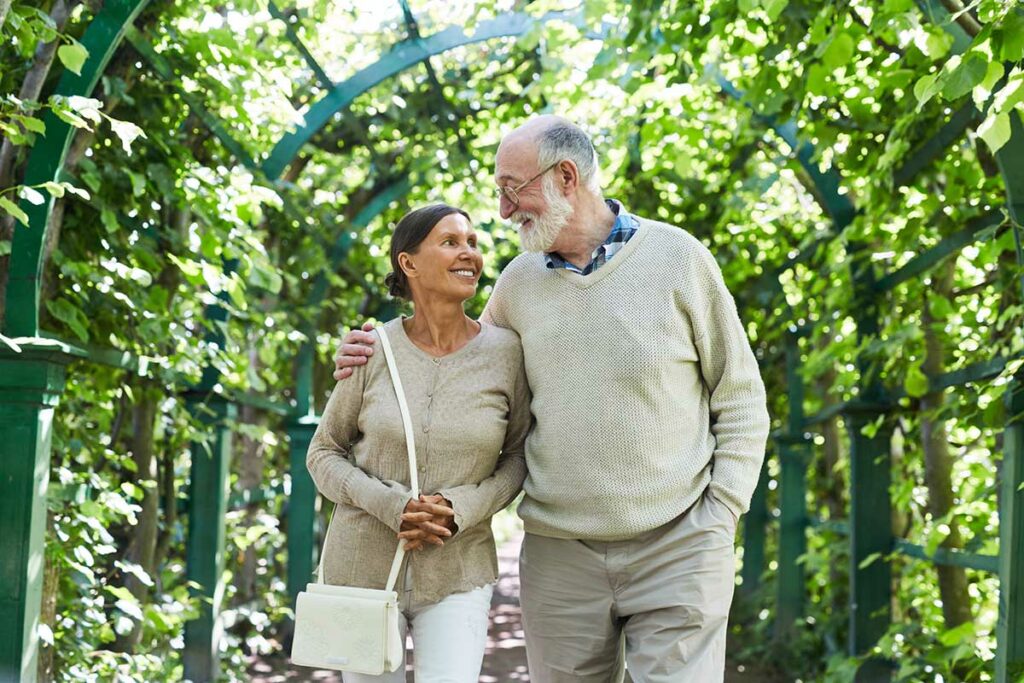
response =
{"points": [[667, 591]]}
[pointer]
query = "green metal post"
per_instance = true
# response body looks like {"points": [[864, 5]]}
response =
{"points": [[870, 540], [204, 553], [794, 454], [301, 508], [871, 537], [1010, 628], [304, 376], [754, 524], [793, 458], [31, 383]]}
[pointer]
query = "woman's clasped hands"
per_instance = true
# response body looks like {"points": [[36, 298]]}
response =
{"points": [[430, 519]]}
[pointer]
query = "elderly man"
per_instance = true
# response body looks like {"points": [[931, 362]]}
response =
{"points": [[650, 423]]}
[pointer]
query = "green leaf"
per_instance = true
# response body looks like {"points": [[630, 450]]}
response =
{"points": [[926, 88], [64, 311], [774, 8], [127, 132], [32, 124], [870, 429], [839, 52], [817, 79], [916, 384], [86, 107], [83, 555], [138, 183], [32, 196], [995, 130], [213, 276], [236, 291], [70, 118], [747, 6], [73, 56], [983, 90], [77, 191], [1010, 94], [869, 560], [1013, 37], [940, 307], [933, 42], [266, 277], [5, 249], [109, 220], [11, 208], [964, 76], [963, 633], [55, 189]]}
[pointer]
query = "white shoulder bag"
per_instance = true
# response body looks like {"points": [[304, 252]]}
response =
{"points": [[356, 629]]}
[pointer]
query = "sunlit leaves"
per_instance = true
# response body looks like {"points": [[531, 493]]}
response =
{"points": [[995, 130], [32, 195], [963, 75], [9, 207], [127, 132], [839, 51]]}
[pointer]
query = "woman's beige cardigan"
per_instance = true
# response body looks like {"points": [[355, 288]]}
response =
{"points": [[470, 413]]}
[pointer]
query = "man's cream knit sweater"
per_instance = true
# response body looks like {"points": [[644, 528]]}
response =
{"points": [[645, 390]]}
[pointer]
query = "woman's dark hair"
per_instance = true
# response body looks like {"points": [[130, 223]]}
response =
{"points": [[409, 233]]}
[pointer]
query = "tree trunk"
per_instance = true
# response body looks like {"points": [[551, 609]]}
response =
{"points": [[938, 462], [48, 612], [177, 220], [5, 6], [143, 539], [250, 476], [32, 85]]}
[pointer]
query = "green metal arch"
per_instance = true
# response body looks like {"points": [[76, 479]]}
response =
{"points": [[402, 57], [826, 185], [101, 39]]}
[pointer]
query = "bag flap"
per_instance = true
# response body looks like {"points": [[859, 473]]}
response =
{"points": [[353, 592]]}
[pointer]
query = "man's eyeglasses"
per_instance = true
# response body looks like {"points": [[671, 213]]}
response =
{"points": [[512, 193]]}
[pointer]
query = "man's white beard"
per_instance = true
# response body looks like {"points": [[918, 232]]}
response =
{"points": [[546, 227]]}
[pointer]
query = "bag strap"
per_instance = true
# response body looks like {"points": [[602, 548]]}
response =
{"points": [[410, 445]]}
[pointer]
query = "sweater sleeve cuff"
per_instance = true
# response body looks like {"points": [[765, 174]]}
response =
{"points": [[726, 498], [460, 506], [385, 503]]}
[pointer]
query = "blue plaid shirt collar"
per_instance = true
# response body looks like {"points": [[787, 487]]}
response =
{"points": [[625, 227]]}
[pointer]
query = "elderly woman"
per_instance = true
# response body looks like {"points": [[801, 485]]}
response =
{"points": [[469, 402]]}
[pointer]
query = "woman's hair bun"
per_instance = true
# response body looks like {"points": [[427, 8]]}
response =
{"points": [[394, 285]]}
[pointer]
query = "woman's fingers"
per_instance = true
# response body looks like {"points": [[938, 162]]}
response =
{"points": [[430, 527], [435, 529], [436, 510], [421, 535], [417, 517]]}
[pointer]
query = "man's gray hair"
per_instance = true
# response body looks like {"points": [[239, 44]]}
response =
{"points": [[565, 140]]}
